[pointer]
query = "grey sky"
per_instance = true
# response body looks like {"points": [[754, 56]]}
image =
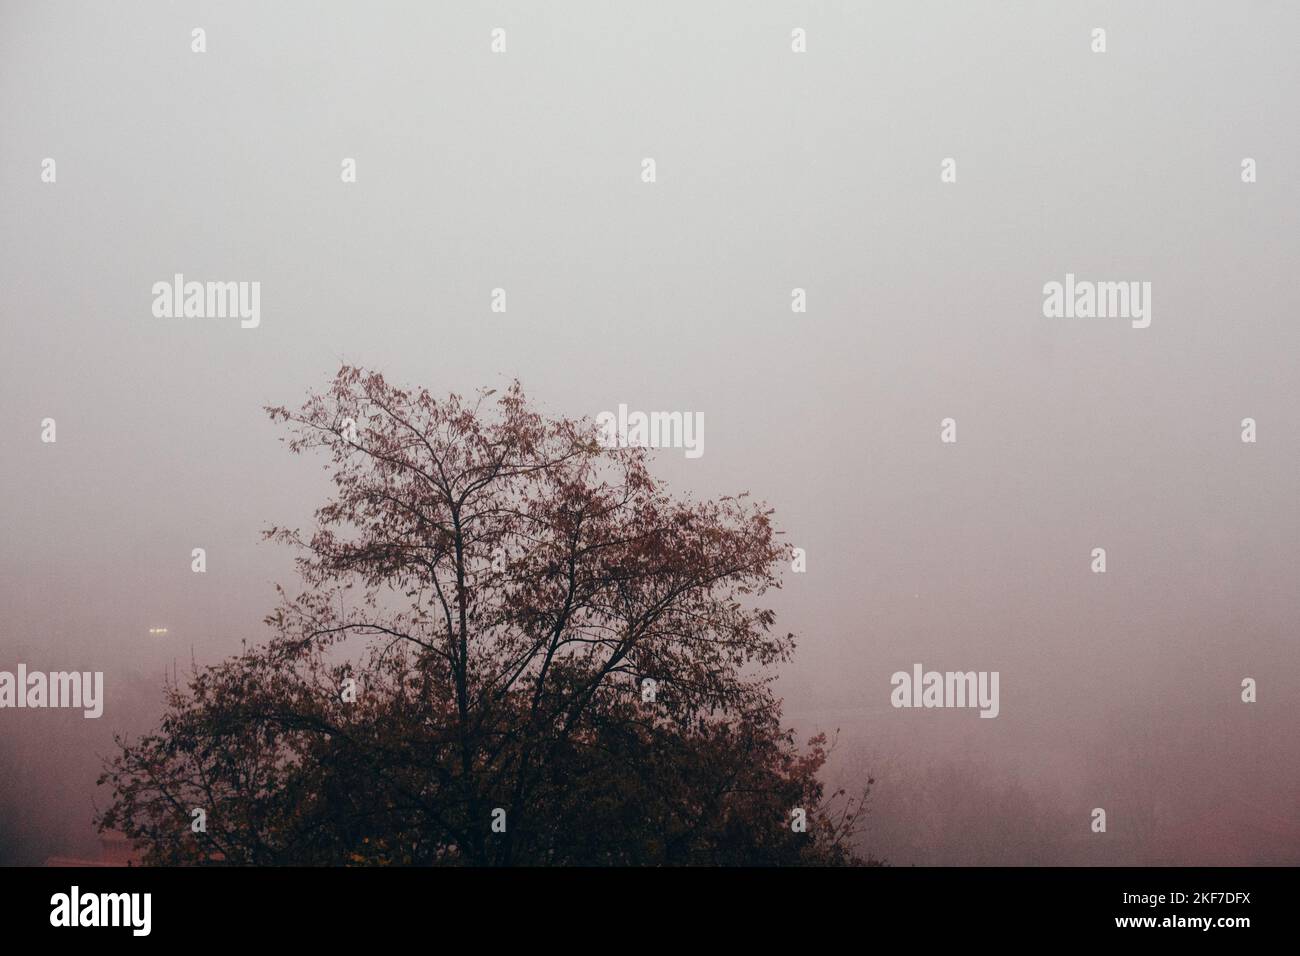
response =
{"points": [[775, 170]]}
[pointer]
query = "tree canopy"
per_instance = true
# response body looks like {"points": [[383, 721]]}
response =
{"points": [[512, 645]]}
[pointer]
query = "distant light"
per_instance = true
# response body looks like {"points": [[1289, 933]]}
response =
{"points": [[157, 630]]}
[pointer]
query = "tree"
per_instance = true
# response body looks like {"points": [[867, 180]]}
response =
{"points": [[513, 647]]}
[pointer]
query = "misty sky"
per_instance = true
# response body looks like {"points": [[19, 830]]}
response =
{"points": [[775, 170]]}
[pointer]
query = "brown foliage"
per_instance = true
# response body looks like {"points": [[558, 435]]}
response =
{"points": [[498, 586]]}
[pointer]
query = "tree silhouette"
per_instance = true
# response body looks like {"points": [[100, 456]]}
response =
{"points": [[513, 647]]}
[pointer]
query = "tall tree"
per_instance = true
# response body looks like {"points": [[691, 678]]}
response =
{"points": [[513, 647]]}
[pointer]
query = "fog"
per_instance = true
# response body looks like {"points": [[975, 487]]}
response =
{"points": [[774, 171]]}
